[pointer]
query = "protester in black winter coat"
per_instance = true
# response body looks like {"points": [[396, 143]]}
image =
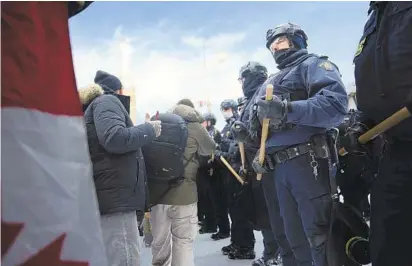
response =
{"points": [[118, 165]]}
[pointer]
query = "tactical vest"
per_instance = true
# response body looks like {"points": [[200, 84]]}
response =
{"points": [[283, 93]]}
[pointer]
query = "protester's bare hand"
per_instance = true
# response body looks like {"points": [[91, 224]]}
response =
{"points": [[147, 117]]}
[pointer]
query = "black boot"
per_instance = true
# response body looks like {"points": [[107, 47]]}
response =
{"points": [[242, 254], [228, 249], [266, 262], [219, 235], [207, 230]]}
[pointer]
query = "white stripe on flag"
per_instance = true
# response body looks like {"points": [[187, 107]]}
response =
{"points": [[47, 185]]}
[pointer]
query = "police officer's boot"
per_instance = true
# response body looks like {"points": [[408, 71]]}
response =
{"points": [[267, 261], [242, 254], [228, 249], [219, 235], [207, 230]]}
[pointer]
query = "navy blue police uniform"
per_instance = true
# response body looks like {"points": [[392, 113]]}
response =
{"points": [[242, 236], [206, 185], [310, 98], [383, 76], [218, 188], [252, 75]]}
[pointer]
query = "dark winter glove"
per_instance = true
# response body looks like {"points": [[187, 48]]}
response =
{"points": [[217, 138], [268, 164], [218, 154], [275, 110], [239, 131], [242, 172], [350, 140]]}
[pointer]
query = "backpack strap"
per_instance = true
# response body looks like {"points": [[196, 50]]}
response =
{"points": [[170, 186]]}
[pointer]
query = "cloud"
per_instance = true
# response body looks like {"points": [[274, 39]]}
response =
{"points": [[165, 64]]}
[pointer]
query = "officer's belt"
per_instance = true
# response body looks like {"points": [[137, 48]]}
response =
{"points": [[287, 154]]}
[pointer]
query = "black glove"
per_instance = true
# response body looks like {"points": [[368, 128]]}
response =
{"points": [[242, 172], [268, 164], [239, 131], [350, 140], [217, 138], [276, 110], [218, 154]]}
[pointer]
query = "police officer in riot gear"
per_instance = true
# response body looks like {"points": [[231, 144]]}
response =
{"points": [[309, 98], [230, 114], [240, 206], [217, 189], [252, 75], [383, 77], [207, 181]]}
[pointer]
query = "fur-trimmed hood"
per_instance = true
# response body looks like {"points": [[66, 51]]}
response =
{"points": [[88, 94], [187, 113]]}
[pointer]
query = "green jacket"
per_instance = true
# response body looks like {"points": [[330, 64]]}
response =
{"points": [[199, 143]]}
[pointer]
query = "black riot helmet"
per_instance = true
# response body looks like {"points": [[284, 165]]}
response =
{"points": [[252, 75], [252, 68], [293, 32], [210, 117], [226, 104]]}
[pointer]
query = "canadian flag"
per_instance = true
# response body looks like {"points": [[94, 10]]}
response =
{"points": [[49, 210]]}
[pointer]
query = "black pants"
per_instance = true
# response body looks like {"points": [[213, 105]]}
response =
{"points": [[276, 221], [219, 193], [271, 247], [206, 210], [240, 210], [391, 211]]}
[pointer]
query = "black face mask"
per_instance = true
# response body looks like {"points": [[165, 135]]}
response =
{"points": [[252, 83], [281, 55]]}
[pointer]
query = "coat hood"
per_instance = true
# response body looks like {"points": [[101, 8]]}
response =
{"points": [[187, 113], [88, 94]]}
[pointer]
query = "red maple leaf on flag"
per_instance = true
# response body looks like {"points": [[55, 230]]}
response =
{"points": [[48, 255], [9, 233]]}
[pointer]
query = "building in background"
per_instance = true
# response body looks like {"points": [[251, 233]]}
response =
{"points": [[130, 90]]}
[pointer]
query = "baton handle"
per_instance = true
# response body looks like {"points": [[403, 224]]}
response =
{"points": [[265, 130], [380, 128], [232, 170]]}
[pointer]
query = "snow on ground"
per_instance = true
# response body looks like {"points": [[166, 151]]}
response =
{"points": [[207, 252]]}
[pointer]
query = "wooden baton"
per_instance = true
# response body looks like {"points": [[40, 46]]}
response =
{"points": [[265, 130], [242, 154], [232, 170], [386, 124]]}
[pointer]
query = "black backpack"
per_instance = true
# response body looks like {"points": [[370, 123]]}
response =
{"points": [[164, 157]]}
